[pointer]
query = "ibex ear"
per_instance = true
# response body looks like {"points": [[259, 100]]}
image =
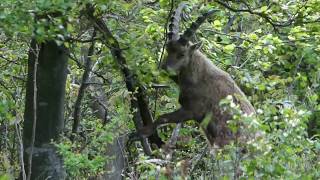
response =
{"points": [[195, 46]]}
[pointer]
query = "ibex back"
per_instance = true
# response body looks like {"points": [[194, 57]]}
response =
{"points": [[202, 85]]}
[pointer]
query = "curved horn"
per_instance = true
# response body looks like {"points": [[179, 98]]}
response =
{"points": [[173, 33], [186, 36]]}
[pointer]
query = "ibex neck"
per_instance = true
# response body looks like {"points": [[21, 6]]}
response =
{"points": [[192, 72]]}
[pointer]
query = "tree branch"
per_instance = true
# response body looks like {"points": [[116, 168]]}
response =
{"points": [[263, 15], [139, 103], [83, 86]]}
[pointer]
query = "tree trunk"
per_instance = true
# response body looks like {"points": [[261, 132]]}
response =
{"points": [[51, 80], [116, 166]]}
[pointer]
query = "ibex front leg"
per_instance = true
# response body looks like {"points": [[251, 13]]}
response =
{"points": [[178, 116]]}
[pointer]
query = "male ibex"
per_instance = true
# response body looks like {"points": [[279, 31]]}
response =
{"points": [[202, 84]]}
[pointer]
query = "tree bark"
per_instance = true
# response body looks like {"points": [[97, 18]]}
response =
{"points": [[51, 81]]}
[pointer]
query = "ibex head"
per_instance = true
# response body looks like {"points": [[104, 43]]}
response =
{"points": [[180, 50], [179, 56]]}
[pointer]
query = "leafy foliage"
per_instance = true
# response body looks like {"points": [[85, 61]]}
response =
{"points": [[271, 48]]}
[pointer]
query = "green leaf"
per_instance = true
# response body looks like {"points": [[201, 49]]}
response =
{"points": [[229, 48], [264, 8], [4, 177], [253, 37]]}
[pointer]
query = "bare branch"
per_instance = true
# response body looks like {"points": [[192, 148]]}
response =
{"points": [[83, 86], [18, 132], [34, 125], [275, 24]]}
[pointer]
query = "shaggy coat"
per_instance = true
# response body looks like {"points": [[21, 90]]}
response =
{"points": [[202, 86]]}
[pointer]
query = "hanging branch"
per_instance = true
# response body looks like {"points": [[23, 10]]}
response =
{"points": [[83, 86], [139, 103]]}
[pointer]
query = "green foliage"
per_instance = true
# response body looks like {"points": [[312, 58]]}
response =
{"points": [[4, 177], [84, 163], [5, 107], [86, 157], [272, 51]]}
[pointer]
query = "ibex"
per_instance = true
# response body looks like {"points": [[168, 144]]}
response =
{"points": [[202, 84]]}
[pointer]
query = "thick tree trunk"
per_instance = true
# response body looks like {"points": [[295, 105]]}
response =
{"points": [[51, 80]]}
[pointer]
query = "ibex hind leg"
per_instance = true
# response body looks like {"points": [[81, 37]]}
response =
{"points": [[210, 132], [217, 134]]}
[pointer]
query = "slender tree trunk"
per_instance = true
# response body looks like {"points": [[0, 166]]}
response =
{"points": [[51, 80], [115, 166], [83, 86]]}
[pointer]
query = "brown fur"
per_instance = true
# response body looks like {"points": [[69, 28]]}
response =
{"points": [[202, 86]]}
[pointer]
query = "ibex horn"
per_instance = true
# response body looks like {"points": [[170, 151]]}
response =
{"points": [[173, 33], [186, 36]]}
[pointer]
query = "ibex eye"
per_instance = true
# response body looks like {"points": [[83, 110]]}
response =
{"points": [[180, 55]]}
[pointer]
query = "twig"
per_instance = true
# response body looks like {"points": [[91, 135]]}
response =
{"points": [[23, 172], [169, 146], [230, 35], [83, 86], [83, 40], [34, 125], [165, 33], [162, 54], [91, 71], [231, 20], [172, 142], [290, 88], [154, 161], [197, 159], [263, 15]]}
